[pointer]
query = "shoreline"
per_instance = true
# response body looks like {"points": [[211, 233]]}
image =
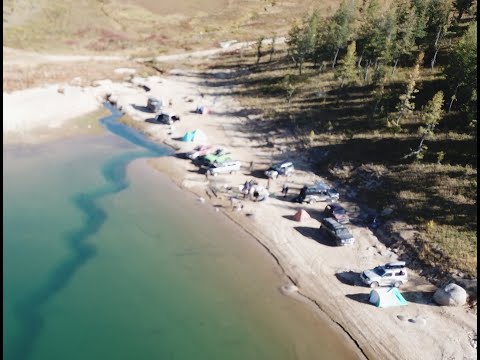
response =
{"points": [[295, 293], [311, 266]]}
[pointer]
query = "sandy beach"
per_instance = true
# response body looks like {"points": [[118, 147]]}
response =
{"points": [[326, 276]]}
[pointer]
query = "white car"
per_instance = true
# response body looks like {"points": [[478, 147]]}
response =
{"points": [[224, 168], [391, 274], [284, 168]]}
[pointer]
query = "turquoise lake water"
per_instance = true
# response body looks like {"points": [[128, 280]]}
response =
{"points": [[104, 258]]}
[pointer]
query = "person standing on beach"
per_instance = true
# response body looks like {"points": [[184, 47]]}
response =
{"points": [[285, 190]]}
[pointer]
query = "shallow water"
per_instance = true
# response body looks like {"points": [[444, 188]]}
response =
{"points": [[106, 259]]}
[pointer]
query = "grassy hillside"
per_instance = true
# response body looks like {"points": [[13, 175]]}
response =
{"points": [[333, 127], [144, 27]]}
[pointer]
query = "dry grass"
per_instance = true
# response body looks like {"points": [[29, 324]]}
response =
{"points": [[131, 26], [18, 77], [419, 192]]}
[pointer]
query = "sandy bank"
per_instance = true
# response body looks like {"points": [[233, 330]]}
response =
{"points": [[307, 258]]}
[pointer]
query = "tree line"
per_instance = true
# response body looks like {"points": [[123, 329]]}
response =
{"points": [[370, 42]]}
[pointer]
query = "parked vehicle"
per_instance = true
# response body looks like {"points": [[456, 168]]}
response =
{"points": [[154, 105], [390, 274], [317, 192], [167, 118], [338, 231], [218, 157], [337, 212], [284, 168], [199, 151], [224, 168]]}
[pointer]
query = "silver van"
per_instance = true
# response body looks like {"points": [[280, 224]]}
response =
{"points": [[224, 168]]}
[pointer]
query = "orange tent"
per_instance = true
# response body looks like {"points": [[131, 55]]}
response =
{"points": [[301, 215]]}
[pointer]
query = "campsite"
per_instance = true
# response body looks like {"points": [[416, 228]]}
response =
{"points": [[259, 139]]}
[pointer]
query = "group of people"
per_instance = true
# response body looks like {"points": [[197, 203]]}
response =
{"points": [[247, 187]]}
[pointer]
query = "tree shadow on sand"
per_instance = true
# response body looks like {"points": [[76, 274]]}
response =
{"points": [[141, 108], [316, 235], [349, 278]]}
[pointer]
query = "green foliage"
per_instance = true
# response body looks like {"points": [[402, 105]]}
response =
{"points": [[438, 12], [461, 71], [348, 72], [462, 6], [377, 37], [404, 37], [343, 20], [335, 33], [440, 156], [431, 115], [419, 7], [302, 38], [406, 105], [326, 42]]}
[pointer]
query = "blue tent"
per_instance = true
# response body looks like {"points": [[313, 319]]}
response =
{"points": [[189, 136], [194, 136], [387, 297]]}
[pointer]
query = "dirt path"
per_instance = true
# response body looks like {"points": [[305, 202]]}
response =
{"points": [[22, 57]]}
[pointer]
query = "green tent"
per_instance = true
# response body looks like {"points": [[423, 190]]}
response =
{"points": [[387, 297]]}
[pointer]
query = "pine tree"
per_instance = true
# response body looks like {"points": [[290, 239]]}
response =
{"points": [[301, 40], [431, 115], [419, 7], [348, 72], [438, 12], [462, 6], [377, 39], [461, 73], [404, 39], [342, 27], [326, 43], [406, 105]]}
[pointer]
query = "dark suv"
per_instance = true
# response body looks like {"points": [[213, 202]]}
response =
{"points": [[338, 231], [337, 212], [317, 192]]}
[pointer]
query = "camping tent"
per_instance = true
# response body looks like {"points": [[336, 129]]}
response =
{"points": [[387, 297], [196, 136], [301, 215], [202, 109]]}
